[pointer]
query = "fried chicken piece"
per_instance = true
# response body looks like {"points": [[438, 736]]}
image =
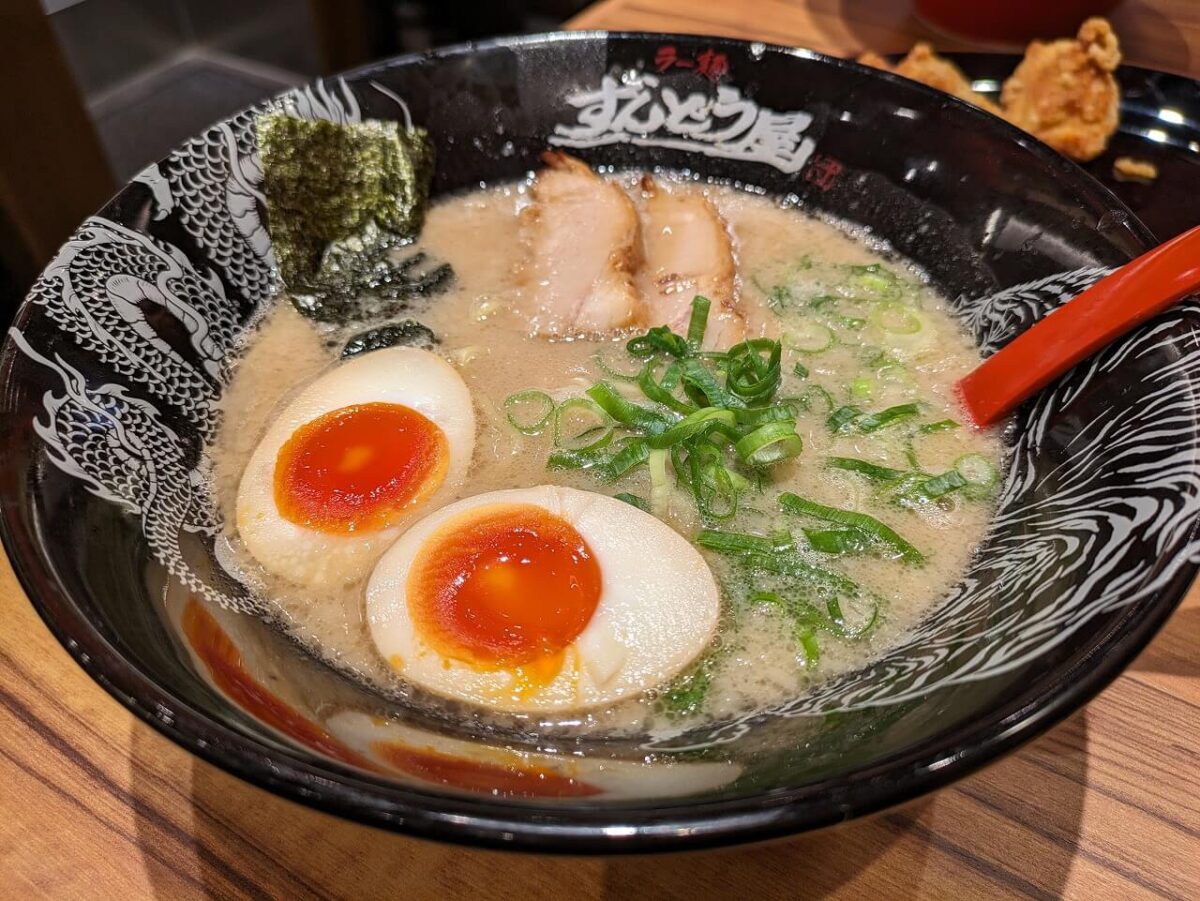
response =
{"points": [[925, 66], [687, 251], [1064, 92], [1128, 168], [583, 243]]}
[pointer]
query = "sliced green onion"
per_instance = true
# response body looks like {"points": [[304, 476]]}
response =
{"points": [[877, 358], [593, 432], [752, 369], [714, 487], [777, 298], [770, 443], [702, 386], [693, 424], [612, 371], [800, 371], [838, 542], [840, 627], [842, 419], [574, 459], [853, 322], [822, 301], [743, 543], [861, 389], [637, 417], [932, 488], [659, 339], [660, 485], [634, 452], [791, 503], [805, 620], [815, 392], [756, 416], [809, 338], [529, 411], [686, 694], [896, 319], [948, 481], [808, 644], [663, 392], [633, 500], [777, 555], [872, 471], [698, 321], [942, 425], [981, 476], [876, 279], [875, 421]]}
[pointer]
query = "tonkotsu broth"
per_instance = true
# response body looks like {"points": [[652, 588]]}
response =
{"points": [[786, 259]]}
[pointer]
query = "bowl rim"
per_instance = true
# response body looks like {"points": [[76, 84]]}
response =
{"points": [[614, 827]]}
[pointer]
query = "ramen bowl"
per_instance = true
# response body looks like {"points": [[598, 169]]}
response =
{"points": [[111, 374]]}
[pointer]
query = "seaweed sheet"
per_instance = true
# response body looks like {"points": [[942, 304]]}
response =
{"points": [[339, 198]]}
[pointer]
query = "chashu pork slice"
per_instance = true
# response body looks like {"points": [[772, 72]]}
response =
{"points": [[582, 242], [687, 251]]}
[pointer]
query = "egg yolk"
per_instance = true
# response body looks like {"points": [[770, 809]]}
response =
{"points": [[504, 586], [356, 469]]}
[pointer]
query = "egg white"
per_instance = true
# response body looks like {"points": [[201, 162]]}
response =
{"points": [[615, 778], [657, 612], [415, 378]]}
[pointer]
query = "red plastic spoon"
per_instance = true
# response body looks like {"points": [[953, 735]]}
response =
{"points": [[1069, 335]]}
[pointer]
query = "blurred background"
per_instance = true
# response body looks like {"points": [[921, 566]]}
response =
{"points": [[94, 90]]}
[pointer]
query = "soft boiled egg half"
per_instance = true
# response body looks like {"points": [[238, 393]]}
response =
{"points": [[541, 599], [354, 458]]}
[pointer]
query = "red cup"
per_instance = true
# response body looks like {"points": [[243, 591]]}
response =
{"points": [[1010, 21]]}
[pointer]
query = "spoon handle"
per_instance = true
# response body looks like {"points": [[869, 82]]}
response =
{"points": [[1072, 333]]}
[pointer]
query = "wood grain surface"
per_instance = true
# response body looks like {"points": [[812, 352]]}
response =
{"points": [[93, 804]]}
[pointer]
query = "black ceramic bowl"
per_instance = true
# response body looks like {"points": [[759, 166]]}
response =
{"points": [[109, 376]]}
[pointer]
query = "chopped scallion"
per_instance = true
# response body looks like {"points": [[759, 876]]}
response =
{"points": [[702, 420], [752, 369], [932, 488], [770, 443], [981, 476], [809, 338], [896, 319], [875, 421], [698, 321], [838, 542], [633, 500], [643, 419], [842, 419], [659, 339], [702, 386], [872, 471], [663, 392], [580, 424], [942, 425], [634, 452], [603, 364], [881, 532], [660, 485], [529, 411]]}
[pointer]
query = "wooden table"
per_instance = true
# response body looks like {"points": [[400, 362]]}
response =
{"points": [[94, 804]]}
